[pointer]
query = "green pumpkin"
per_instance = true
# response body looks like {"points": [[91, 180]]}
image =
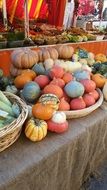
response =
{"points": [[31, 92]]}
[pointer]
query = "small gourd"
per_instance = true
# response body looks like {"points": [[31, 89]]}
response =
{"points": [[11, 89], [58, 123], [35, 129], [50, 99], [74, 89]]}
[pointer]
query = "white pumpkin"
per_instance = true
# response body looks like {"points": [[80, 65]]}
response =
{"points": [[48, 63], [86, 67], [73, 66], [105, 91], [61, 63], [59, 117]]}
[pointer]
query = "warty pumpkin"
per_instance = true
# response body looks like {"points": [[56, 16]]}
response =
{"points": [[35, 129], [42, 111], [24, 58]]}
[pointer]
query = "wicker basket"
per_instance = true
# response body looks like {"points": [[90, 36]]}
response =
{"points": [[10, 133], [86, 111]]}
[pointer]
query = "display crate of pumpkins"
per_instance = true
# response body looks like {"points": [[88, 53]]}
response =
{"points": [[57, 83]]}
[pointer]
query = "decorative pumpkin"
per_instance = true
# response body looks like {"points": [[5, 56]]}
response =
{"points": [[89, 85], [64, 51], [83, 61], [59, 82], [50, 99], [39, 69], [53, 89], [56, 72], [24, 58], [75, 57], [21, 80], [90, 61], [73, 66], [77, 104], [95, 94], [58, 123], [101, 57], [59, 117], [42, 111], [88, 99], [67, 77], [31, 92], [45, 54], [86, 68], [48, 63], [40, 55], [91, 55], [42, 80], [35, 129], [64, 105], [105, 91], [74, 89], [29, 73], [14, 72], [61, 63], [99, 80], [79, 75], [53, 53]]}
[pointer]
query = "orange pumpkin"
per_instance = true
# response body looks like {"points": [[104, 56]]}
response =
{"points": [[21, 80], [42, 111], [53, 89], [29, 73], [99, 80]]}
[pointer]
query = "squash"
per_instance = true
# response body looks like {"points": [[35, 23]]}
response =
{"points": [[31, 91], [58, 123], [42, 80], [77, 104], [100, 57], [39, 69], [67, 77], [63, 105], [99, 80], [53, 89], [95, 94], [24, 58], [30, 73], [42, 111], [21, 80], [11, 89], [89, 85], [50, 99], [105, 91], [48, 63], [79, 75], [56, 72], [53, 53], [35, 129], [73, 66], [74, 89], [14, 72], [58, 81], [88, 99], [64, 51], [61, 63]]}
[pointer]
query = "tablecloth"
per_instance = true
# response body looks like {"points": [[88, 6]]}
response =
{"points": [[60, 161]]}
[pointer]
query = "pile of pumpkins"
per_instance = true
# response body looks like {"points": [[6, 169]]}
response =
{"points": [[51, 81]]}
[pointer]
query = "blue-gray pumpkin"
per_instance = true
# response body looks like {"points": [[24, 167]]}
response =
{"points": [[31, 92], [74, 89], [80, 75], [39, 69]]}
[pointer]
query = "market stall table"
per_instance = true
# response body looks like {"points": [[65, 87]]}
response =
{"points": [[59, 161]]}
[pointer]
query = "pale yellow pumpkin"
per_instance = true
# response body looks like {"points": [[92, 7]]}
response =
{"points": [[24, 58]]}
